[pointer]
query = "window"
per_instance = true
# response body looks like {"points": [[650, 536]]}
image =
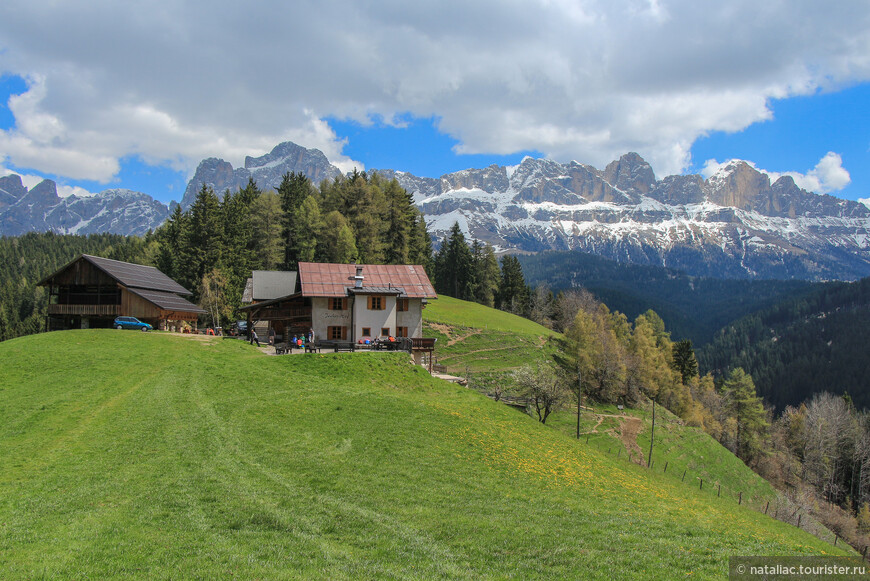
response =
{"points": [[366, 332], [337, 304], [401, 304], [401, 331], [336, 333], [385, 332], [376, 303]]}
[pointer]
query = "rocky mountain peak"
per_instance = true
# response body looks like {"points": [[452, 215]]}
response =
{"points": [[266, 170], [11, 189], [43, 194], [630, 173], [737, 184]]}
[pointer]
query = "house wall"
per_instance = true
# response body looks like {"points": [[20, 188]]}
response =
{"points": [[412, 318], [375, 320], [322, 317]]}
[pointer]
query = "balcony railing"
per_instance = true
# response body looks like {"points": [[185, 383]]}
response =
{"points": [[94, 310]]}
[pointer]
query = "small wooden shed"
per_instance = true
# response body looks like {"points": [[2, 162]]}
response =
{"points": [[91, 291]]}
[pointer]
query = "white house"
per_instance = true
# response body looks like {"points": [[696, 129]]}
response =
{"points": [[350, 302]]}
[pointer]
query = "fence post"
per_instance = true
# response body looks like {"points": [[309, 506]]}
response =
{"points": [[766, 507], [587, 438], [719, 491], [836, 538], [684, 476], [666, 468], [799, 520], [702, 484], [740, 499], [619, 455]]}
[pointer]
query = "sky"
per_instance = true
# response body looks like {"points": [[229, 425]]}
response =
{"points": [[99, 94]]}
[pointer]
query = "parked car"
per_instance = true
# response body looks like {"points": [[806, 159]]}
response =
{"points": [[239, 329], [131, 323]]}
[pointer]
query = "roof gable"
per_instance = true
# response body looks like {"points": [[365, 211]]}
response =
{"points": [[333, 280]]}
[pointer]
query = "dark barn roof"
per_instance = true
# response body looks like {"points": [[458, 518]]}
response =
{"points": [[129, 275], [136, 275], [167, 301]]}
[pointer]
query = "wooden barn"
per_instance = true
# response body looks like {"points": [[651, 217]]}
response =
{"points": [[91, 291]]}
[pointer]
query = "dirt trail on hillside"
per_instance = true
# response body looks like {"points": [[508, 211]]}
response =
{"points": [[629, 428]]}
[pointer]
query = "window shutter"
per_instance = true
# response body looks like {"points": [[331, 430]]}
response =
{"points": [[344, 304], [344, 333]]}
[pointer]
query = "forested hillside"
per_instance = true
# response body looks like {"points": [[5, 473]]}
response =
{"points": [[693, 307], [802, 346]]}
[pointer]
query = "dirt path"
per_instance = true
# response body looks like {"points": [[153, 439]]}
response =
{"points": [[629, 428]]}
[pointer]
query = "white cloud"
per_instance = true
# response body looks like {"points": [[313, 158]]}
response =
{"points": [[589, 80], [827, 176]]}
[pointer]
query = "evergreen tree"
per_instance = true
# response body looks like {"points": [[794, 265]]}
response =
{"points": [[338, 240], [454, 266], [487, 273], [266, 221], [201, 248], [400, 223], [295, 188], [748, 412], [309, 224], [513, 295], [684, 360], [420, 244]]}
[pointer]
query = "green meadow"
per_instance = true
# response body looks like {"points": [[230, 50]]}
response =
{"points": [[160, 456]]}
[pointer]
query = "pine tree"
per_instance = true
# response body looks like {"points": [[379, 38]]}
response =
{"points": [[684, 360], [454, 266], [487, 273], [309, 225], [266, 222], [295, 188], [338, 241], [748, 412], [513, 294], [420, 244]]}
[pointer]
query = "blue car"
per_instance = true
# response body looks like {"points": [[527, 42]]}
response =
{"points": [[131, 323]]}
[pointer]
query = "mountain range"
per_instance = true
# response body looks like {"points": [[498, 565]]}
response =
{"points": [[734, 224]]}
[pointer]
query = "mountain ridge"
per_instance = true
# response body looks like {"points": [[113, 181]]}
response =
{"points": [[734, 224]]}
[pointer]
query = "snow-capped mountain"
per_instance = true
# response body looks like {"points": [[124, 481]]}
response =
{"points": [[266, 171], [40, 209], [734, 224]]}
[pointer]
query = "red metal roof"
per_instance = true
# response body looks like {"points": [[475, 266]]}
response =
{"points": [[333, 280]]}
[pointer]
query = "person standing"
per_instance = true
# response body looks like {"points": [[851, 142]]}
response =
{"points": [[255, 337]]}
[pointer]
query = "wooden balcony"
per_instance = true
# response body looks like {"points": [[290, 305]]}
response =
{"points": [[91, 310], [422, 343]]}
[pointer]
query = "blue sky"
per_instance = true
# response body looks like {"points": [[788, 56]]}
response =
{"points": [[91, 97]]}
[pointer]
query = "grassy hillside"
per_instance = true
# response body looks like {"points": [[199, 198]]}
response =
{"points": [[490, 343], [487, 344], [159, 456]]}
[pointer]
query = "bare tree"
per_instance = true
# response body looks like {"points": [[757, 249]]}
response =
{"points": [[542, 305], [543, 387]]}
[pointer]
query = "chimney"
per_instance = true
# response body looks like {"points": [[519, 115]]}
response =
{"points": [[358, 279]]}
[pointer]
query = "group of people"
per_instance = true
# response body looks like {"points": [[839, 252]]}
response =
{"points": [[299, 341]]}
